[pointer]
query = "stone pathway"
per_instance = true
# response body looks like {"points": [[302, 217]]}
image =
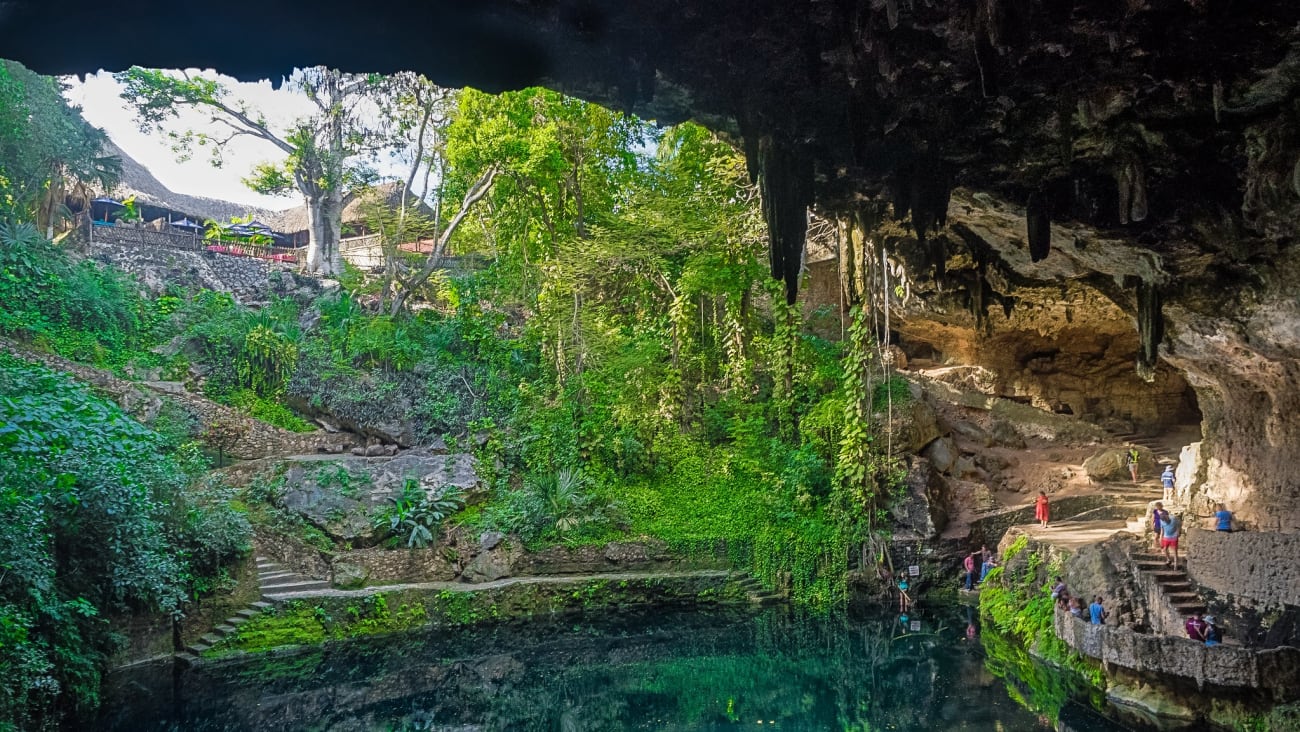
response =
{"points": [[279, 584]]}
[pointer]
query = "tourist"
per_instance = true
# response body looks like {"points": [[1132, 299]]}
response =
{"points": [[1155, 521], [1212, 635], [1076, 607], [1195, 628], [1059, 588], [987, 567], [969, 565], [1170, 528], [1097, 612], [1063, 600], [1133, 457], [985, 554], [1222, 519], [904, 600], [1167, 479], [1041, 509]]}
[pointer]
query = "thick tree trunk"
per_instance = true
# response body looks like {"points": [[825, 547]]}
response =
{"points": [[324, 225]]}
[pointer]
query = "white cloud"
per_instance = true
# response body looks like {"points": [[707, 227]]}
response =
{"points": [[101, 104]]}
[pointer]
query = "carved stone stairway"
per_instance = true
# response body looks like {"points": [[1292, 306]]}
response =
{"points": [[272, 580], [1173, 583], [759, 595]]}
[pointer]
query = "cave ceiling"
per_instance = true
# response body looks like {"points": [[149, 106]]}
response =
{"points": [[1172, 125]]}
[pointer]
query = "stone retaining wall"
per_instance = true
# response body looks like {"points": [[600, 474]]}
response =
{"points": [[1263, 567], [159, 267], [1275, 670]]}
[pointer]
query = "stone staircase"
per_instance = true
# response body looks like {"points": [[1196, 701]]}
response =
{"points": [[1173, 584], [275, 582], [279, 583], [759, 595]]}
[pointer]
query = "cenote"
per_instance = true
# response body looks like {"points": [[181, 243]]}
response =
{"points": [[657, 669]]}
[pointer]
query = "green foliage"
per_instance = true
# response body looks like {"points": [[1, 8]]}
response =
{"points": [[48, 152], [96, 518], [1020, 607], [417, 514], [80, 310], [299, 623]]}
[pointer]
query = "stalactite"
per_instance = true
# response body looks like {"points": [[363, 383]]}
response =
{"points": [[1132, 185], [1151, 329], [785, 178], [923, 188], [1038, 219]]}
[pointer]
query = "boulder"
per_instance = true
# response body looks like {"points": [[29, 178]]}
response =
{"points": [[1111, 464], [1005, 434], [942, 454], [495, 563], [973, 432], [349, 576], [347, 497]]}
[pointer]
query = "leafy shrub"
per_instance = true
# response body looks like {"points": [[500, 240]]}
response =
{"points": [[95, 518], [417, 515]]}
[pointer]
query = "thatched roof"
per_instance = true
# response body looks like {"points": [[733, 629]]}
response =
{"points": [[148, 190], [294, 220]]}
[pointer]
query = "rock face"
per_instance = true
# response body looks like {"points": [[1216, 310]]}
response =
{"points": [[347, 497], [1095, 200]]}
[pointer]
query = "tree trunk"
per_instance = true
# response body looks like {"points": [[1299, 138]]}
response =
{"points": [[324, 224]]}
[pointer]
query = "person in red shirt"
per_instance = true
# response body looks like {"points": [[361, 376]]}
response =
{"points": [[1041, 511], [1195, 628]]}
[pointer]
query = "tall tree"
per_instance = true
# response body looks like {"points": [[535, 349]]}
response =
{"points": [[418, 113], [48, 152], [324, 152]]}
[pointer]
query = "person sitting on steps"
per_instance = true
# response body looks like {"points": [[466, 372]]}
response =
{"points": [[1195, 628], [1212, 635]]}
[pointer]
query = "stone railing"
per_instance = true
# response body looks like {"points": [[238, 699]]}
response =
{"points": [[1276, 669]]}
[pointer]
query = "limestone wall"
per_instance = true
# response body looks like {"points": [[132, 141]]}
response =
{"points": [[1263, 567], [1276, 670]]}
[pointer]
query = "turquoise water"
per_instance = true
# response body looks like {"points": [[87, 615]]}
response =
{"points": [[662, 670]]}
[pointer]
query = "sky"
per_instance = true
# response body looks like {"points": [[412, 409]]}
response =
{"points": [[101, 105]]}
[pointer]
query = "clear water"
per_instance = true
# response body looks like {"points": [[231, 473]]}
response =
{"points": [[661, 670]]}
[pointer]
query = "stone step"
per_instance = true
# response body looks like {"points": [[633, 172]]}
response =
{"points": [[766, 600], [267, 576], [248, 613], [224, 629], [1182, 597], [1171, 588], [288, 591], [197, 649], [187, 658], [261, 605], [262, 566], [210, 638], [293, 579], [261, 559], [236, 620], [299, 583]]}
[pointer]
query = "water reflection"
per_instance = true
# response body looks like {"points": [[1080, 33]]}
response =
{"points": [[666, 670]]}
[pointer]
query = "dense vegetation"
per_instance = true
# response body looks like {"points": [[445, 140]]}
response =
{"points": [[624, 365], [99, 516]]}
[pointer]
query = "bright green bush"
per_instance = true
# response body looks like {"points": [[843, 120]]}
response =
{"points": [[96, 518]]}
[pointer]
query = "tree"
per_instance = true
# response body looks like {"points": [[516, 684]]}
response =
{"points": [[324, 152], [418, 113], [48, 152]]}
